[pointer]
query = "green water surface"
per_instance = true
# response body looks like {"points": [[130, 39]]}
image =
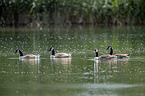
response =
{"points": [[79, 75]]}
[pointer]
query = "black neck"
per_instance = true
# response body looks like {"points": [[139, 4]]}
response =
{"points": [[97, 54], [21, 53], [111, 51], [53, 52]]}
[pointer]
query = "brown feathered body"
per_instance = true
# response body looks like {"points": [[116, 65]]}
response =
{"points": [[108, 56]]}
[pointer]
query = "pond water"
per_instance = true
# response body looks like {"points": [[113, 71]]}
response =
{"points": [[79, 75]]}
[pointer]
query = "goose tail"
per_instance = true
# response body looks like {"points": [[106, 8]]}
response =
{"points": [[70, 53], [129, 55]]}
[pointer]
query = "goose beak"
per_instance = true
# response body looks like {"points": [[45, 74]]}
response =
{"points": [[16, 51], [49, 50], [108, 48]]}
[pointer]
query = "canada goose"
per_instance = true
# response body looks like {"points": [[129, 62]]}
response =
{"points": [[107, 56], [58, 55], [29, 56], [118, 55]]}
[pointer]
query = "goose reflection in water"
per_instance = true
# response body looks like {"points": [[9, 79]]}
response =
{"points": [[29, 66], [109, 67], [30, 61], [101, 66], [61, 60], [61, 65]]}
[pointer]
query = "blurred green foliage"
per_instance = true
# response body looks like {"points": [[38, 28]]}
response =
{"points": [[45, 12]]}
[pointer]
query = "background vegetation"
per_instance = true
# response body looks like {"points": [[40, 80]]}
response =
{"points": [[45, 12]]}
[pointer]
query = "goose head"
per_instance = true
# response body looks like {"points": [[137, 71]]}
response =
{"points": [[109, 47], [19, 51], [111, 50], [51, 48], [95, 50]]}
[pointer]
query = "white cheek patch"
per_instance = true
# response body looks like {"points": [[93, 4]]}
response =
{"points": [[52, 48]]}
